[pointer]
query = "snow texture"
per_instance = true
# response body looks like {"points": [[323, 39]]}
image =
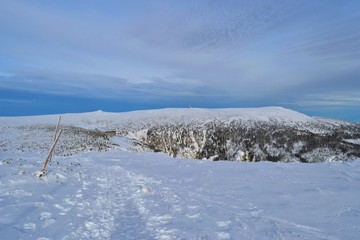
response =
{"points": [[126, 193]]}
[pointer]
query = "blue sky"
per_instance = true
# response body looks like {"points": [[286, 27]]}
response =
{"points": [[76, 56]]}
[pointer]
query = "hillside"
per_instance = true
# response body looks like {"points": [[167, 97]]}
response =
{"points": [[258, 134], [102, 187]]}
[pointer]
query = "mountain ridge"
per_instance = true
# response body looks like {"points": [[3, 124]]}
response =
{"points": [[240, 134]]}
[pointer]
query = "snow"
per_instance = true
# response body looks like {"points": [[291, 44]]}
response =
{"points": [[353, 141], [126, 193], [104, 120]]}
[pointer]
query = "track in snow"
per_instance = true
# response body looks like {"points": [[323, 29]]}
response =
{"points": [[118, 195]]}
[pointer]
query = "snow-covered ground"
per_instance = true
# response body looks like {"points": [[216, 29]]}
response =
{"points": [[138, 119], [126, 195]]}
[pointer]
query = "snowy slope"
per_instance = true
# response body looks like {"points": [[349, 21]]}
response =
{"points": [[104, 120], [121, 195], [250, 134], [115, 188]]}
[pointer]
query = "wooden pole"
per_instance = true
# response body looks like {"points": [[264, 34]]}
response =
{"points": [[55, 134], [50, 152], [57, 128]]}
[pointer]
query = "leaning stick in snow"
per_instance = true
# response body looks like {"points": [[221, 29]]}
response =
{"points": [[57, 128], [50, 153], [55, 134]]}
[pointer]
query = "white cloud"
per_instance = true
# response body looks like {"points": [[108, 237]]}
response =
{"points": [[235, 49], [336, 99]]}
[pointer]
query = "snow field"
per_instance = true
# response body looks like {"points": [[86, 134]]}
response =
{"points": [[137, 120], [125, 195]]}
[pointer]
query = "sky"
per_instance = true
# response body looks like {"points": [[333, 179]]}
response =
{"points": [[79, 56]]}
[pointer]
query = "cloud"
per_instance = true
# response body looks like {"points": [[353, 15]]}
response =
{"points": [[13, 101], [94, 86], [249, 50], [336, 99]]}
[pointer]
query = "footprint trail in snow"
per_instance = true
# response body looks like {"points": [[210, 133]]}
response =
{"points": [[119, 195]]}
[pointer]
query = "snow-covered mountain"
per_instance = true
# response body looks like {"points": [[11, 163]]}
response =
{"points": [[103, 187], [249, 134]]}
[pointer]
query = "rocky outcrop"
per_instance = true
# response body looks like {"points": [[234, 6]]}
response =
{"points": [[256, 141]]}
